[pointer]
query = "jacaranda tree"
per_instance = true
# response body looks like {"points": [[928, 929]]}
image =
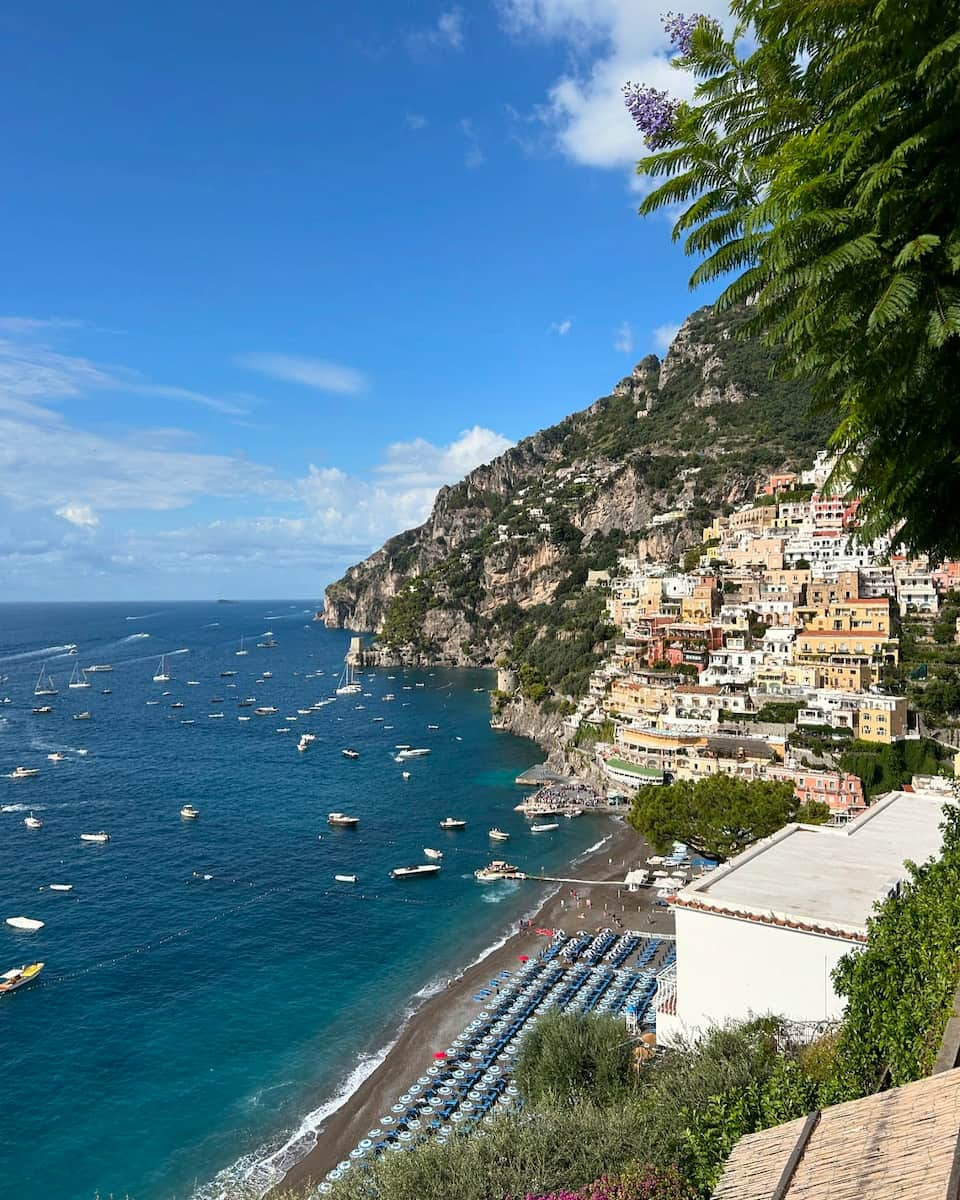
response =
{"points": [[817, 176]]}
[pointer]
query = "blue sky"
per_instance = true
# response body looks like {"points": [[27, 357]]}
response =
{"points": [[272, 274]]}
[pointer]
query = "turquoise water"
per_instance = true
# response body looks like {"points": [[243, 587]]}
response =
{"points": [[184, 1028]]}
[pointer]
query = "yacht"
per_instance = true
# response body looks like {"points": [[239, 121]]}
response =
{"points": [[268, 674], [44, 685], [497, 835], [350, 753], [544, 828], [78, 679], [342, 821], [348, 685], [437, 854], [33, 822], [242, 651], [98, 667], [189, 813], [83, 716], [345, 878], [414, 753], [24, 773], [266, 644], [227, 674], [162, 675], [249, 702], [95, 837], [217, 716], [11, 980], [178, 704], [265, 710], [27, 923], [56, 756], [498, 870], [419, 869], [43, 708], [452, 823]]}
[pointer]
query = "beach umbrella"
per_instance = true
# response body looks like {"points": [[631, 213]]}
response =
{"points": [[440, 1055], [524, 957]]}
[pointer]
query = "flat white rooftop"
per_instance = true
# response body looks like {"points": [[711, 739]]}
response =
{"points": [[826, 876]]}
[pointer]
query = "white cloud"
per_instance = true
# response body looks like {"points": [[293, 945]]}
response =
{"points": [[18, 326], [81, 515], [561, 328], [623, 338], [611, 42], [474, 156], [663, 335], [415, 120], [311, 372], [422, 464], [446, 34]]}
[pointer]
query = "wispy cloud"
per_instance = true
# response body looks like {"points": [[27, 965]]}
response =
{"points": [[81, 515], [474, 156], [561, 328], [415, 121], [18, 326], [623, 338], [316, 373], [446, 34], [663, 336]]}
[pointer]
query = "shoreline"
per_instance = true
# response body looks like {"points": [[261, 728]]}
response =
{"points": [[443, 1014]]}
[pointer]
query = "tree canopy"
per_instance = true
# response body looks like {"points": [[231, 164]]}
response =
{"points": [[817, 175], [718, 816]]}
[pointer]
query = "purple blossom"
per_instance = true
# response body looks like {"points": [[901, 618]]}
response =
{"points": [[653, 111], [680, 27]]}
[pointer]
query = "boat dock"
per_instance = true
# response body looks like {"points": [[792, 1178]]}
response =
{"points": [[539, 775]]}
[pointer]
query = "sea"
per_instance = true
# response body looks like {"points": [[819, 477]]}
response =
{"points": [[210, 992]]}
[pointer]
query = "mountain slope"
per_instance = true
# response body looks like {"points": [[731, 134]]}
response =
{"points": [[498, 569]]}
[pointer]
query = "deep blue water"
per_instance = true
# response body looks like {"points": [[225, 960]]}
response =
{"points": [[183, 1026]]}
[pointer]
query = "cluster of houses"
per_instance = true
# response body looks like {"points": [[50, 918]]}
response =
{"points": [[785, 624]]}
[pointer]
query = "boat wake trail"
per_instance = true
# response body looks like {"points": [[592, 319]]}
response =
{"points": [[146, 616], [44, 652]]}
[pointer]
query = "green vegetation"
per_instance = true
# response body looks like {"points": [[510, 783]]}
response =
{"points": [[564, 1059], [718, 816], [778, 713], [884, 768], [816, 166], [403, 623]]}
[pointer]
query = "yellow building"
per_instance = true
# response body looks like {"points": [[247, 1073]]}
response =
{"points": [[822, 645], [882, 719]]}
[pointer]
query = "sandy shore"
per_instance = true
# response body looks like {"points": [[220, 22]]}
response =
{"points": [[433, 1027]]}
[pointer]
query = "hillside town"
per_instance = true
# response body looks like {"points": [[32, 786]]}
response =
{"points": [[770, 651]]}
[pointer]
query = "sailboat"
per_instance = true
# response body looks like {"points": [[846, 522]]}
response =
{"points": [[348, 685], [242, 651], [44, 685], [162, 675], [78, 679]]}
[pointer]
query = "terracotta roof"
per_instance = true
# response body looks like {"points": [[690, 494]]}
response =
{"points": [[696, 690], [900, 1143], [767, 918]]}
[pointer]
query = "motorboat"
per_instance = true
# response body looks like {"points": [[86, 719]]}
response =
{"points": [[304, 712], [283, 729], [350, 753], [268, 674], [419, 869], [498, 835], [43, 708], [413, 753], [98, 667], [44, 685], [266, 644], [217, 716], [83, 753], [83, 716], [498, 870], [162, 674], [18, 976], [433, 726], [265, 710], [95, 837], [404, 774], [227, 674], [193, 683], [189, 813], [342, 821], [243, 718], [61, 887], [24, 773], [28, 924], [106, 691], [452, 823], [248, 702], [178, 704], [306, 740], [216, 700], [437, 854], [545, 828], [345, 878], [56, 756], [189, 721], [33, 822]]}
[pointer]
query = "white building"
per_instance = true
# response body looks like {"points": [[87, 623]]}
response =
{"points": [[762, 933]]}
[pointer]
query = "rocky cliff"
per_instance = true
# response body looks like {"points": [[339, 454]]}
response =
{"points": [[500, 567]]}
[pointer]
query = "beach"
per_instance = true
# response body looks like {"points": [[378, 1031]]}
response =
{"points": [[434, 1025]]}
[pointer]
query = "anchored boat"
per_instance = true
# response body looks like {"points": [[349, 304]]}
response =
{"points": [[419, 869], [16, 978], [341, 820], [498, 835], [452, 823], [498, 870], [25, 923]]}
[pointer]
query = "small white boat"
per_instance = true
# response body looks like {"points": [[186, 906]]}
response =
{"points": [[83, 716], [350, 753], [498, 870], [412, 753], [544, 828], [452, 823], [26, 923], [342, 821], [83, 753], [437, 854], [11, 980], [189, 813], [433, 726], [24, 773], [284, 729], [242, 651], [95, 837], [42, 708], [214, 716], [498, 835], [418, 869], [265, 710], [243, 718], [33, 822], [61, 887], [193, 683], [268, 674], [97, 667], [162, 675], [345, 878], [404, 774]]}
